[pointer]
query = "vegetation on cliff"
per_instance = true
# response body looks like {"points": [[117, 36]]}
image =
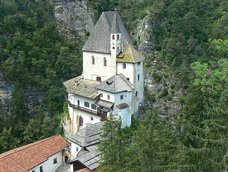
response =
{"points": [[33, 55]]}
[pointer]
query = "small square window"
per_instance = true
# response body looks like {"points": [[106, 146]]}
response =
{"points": [[93, 106], [128, 79], [33, 170], [86, 104], [139, 63], [108, 97], [55, 161], [124, 65], [121, 97]]}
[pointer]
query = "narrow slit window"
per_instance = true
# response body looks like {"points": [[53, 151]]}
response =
{"points": [[124, 65], [105, 61], [93, 60]]}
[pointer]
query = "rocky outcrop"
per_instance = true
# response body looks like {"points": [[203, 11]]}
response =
{"points": [[73, 18], [163, 88], [143, 35], [5, 94]]}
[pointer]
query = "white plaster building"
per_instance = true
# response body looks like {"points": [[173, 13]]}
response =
{"points": [[47, 155], [112, 79]]}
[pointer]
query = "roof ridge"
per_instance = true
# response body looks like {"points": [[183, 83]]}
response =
{"points": [[125, 79]]}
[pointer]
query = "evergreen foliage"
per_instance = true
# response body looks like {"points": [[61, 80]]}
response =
{"points": [[34, 57]]}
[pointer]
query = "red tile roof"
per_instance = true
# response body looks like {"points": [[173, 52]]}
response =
{"points": [[26, 157]]}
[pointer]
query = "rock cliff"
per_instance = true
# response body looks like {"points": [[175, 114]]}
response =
{"points": [[73, 18]]}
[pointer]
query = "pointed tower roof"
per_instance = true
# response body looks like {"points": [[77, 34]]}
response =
{"points": [[99, 39]]}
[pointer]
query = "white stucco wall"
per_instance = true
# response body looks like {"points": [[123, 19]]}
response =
{"points": [[105, 96], [73, 149], [128, 72], [139, 84], [125, 116], [49, 166], [91, 71], [75, 113]]}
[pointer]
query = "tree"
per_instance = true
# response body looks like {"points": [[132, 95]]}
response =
{"points": [[7, 140], [113, 144], [203, 122], [155, 146]]}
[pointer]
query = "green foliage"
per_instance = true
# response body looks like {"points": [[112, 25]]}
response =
{"points": [[34, 56], [113, 145], [7, 140], [204, 119]]}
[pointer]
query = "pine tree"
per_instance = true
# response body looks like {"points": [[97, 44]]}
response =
{"points": [[155, 146], [204, 120], [113, 145]]}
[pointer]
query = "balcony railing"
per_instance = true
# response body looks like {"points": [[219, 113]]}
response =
{"points": [[81, 108]]}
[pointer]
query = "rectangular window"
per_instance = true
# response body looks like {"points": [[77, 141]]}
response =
{"points": [[33, 170], [124, 65], [41, 169], [108, 97], [55, 161], [86, 104], [139, 63], [136, 93], [121, 97], [93, 106], [118, 37], [113, 37], [138, 77]]}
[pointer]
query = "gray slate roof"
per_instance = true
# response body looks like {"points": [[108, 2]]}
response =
{"points": [[89, 157], [88, 135], [104, 103], [99, 39], [82, 87], [115, 84]]}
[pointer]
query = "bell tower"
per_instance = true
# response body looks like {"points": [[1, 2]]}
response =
{"points": [[115, 37], [115, 44]]}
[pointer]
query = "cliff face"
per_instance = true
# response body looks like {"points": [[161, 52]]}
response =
{"points": [[73, 18], [163, 88]]}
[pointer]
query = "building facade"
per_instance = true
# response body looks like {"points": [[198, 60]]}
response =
{"points": [[112, 79]]}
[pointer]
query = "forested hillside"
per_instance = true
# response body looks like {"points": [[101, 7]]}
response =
{"points": [[33, 56], [190, 37]]}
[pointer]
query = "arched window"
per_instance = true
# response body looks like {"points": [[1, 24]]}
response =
{"points": [[105, 62], [80, 121], [93, 60]]}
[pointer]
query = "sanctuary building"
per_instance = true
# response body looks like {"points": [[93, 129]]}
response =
{"points": [[112, 79]]}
